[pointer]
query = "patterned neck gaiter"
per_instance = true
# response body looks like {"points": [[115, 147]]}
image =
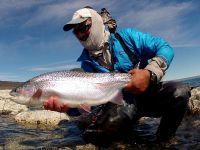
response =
{"points": [[97, 42]]}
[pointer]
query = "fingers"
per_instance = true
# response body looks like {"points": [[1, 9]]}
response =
{"points": [[53, 104], [64, 108], [48, 104], [56, 105], [139, 82], [129, 86], [133, 71]]}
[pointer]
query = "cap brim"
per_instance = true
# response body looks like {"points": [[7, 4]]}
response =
{"points": [[68, 26]]}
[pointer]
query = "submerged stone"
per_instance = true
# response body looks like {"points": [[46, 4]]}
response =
{"points": [[41, 118]]}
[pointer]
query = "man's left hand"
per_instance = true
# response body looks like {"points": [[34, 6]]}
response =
{"points": [[140, 81]]}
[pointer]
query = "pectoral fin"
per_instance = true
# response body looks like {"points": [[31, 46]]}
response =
{"points": [[118, 98], [37, 94], [85, 107]]}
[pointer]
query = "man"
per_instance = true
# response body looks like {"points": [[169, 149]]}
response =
{"points": [[145, 94]]}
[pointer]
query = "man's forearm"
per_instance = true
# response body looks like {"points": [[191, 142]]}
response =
{"points": [[158, 66]]}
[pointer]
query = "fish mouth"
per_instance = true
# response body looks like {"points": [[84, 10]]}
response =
{"points": [[17, 98], [13, 93]]}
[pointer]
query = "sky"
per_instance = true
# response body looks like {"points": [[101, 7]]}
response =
{"points": [[32, 40]]}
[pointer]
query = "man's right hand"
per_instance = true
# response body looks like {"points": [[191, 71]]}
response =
{"points": [[53, 104]]}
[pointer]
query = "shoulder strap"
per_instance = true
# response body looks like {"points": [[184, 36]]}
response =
{"points": [[130, 54]]}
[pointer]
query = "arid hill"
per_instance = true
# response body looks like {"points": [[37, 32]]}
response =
{"points": [[4, 85]]}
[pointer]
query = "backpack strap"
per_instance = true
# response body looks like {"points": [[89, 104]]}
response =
{"points": [[130, 54]]}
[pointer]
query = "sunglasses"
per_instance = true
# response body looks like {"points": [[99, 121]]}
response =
{"points": [[82, 29]]}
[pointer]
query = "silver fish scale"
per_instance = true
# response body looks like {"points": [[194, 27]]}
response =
{"points": [[76, 88], [61, 75], [77, 78]]}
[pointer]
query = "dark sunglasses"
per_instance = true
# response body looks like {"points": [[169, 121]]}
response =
{"points": [[82, 29]]}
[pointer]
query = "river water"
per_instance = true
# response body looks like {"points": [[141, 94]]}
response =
{"points": [[68, 135], [14, 136]]}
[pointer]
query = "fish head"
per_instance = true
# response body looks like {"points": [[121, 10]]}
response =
{"points": [[23, 93]]}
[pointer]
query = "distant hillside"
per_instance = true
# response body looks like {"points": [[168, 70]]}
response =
{"points": [[192, 81], [189, 78], [4, 85]]}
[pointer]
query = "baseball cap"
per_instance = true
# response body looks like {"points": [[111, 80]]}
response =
{"points": [[79, 16]]}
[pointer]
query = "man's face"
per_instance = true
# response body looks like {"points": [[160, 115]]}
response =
{"points": [[82, 30]]}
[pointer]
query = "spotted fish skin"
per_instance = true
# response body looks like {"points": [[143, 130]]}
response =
{"points": [[73, 88]]}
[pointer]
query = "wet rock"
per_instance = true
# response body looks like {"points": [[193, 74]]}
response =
{"points": [[7, 107], [86, 147], [26, 117], [40, 118], [50, 118], [5, 94], [196, 123], [194, 102]]}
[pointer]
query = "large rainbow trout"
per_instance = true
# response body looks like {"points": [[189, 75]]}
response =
{"points": [[76, 89]]}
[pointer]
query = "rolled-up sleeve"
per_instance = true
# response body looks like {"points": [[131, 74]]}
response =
{"points": [[162, 55], [154, 49]]}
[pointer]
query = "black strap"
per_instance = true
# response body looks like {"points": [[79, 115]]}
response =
{"points": [[130, 54]]}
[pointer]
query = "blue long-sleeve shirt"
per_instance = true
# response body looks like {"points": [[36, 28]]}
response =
{"points": [[146, 47]]}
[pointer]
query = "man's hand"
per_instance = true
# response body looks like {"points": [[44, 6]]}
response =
{"points": [[139, 82], [53, 104]]}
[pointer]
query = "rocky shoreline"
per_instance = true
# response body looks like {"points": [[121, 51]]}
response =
{"points": [[194, 102], [50, 119], [26, 117]]}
